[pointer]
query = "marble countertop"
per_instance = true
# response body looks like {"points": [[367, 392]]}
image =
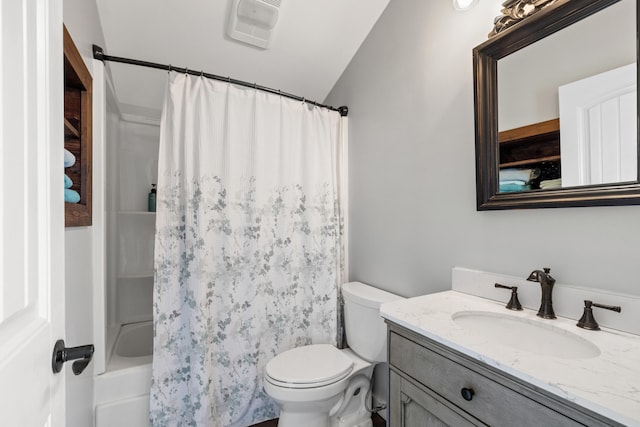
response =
{"points": [[608, 384]]}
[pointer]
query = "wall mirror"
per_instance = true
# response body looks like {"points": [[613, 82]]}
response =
{"points": [[557, 109]]}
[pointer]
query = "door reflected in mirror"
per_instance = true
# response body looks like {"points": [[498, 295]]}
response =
{"points": [[567, 106]]}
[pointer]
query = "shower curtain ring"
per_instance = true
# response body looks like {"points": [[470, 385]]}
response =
{"points": [[255, 85], [169, 68], [201, 73], [229, 79], [186, 71]]}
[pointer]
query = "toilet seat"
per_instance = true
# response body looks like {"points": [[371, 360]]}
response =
{"points": [[308, 366]]}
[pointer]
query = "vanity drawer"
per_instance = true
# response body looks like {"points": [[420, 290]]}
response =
{"points": [[492, 402]]}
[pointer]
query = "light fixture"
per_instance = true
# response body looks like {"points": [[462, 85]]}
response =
{"points": [[464, 4], [253, 21]]}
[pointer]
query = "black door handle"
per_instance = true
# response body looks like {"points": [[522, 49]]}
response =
{"points": [[82, 356]]}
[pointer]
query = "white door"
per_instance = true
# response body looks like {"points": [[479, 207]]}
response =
{"points": [[32, 214], [598, 128]]}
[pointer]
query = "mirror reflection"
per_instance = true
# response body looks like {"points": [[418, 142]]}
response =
{"points": [[567, 106]]}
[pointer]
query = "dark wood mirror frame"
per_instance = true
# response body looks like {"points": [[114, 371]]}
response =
{"points": [[485, 59]]}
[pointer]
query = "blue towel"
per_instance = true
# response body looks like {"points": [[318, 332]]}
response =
{"points": [[513, 188], [69, 158], [71, 196], [67, 182], [516, 174]]}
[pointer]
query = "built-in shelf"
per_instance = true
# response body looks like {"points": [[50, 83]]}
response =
{"points": [[70, 129], [528, 145], [530, 161], [136, 276], [77, 132], [136, 213]]}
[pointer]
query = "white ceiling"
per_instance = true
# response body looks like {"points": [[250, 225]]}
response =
{"points": [[313, 42]]}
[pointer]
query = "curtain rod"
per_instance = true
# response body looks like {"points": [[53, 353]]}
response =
{"points": [[98, 53]]}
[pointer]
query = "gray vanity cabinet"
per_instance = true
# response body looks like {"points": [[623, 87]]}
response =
{"points": [[414, 405], [433, 385]]}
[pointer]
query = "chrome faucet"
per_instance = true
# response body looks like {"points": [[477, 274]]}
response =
{"points": [[546, 283]]}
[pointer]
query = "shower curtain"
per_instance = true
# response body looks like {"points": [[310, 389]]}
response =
{"points": [[249, 249]]}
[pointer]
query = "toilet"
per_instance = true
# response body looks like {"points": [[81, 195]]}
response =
{"points": [[319, 385]]}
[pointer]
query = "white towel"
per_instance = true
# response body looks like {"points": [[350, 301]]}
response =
{"points": [[551, 183]]}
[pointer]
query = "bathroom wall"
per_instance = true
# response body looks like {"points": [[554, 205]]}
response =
{"points": [[82, 244], [412, 173]]}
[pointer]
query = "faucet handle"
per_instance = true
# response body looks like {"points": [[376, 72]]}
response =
{"points": [[513, 303], [587, 321]]}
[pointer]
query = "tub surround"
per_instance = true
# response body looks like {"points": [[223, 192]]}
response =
{"points": [[122, 392], [605, 384]]}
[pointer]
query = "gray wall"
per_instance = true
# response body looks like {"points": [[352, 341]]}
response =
{"points": [[83, 22], [412, 173]]}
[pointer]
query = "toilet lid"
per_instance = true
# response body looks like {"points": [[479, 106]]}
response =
{"points": [[310, 365]]}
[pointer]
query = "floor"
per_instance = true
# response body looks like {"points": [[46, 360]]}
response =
{"points": [[378, 421]]}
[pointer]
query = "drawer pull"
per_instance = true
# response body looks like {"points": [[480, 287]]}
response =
{"points": [[467, 393]]}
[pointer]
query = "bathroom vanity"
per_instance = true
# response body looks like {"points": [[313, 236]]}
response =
{"points": [[461, 360]]}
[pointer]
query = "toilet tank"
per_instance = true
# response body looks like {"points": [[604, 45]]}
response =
{"points": [[365, 329]]}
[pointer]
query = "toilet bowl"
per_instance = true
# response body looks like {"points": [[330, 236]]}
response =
{"points": [[317, 391], [321, 386]]}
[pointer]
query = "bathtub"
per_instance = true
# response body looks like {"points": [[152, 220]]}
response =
{"points": [[133, 346], [122, 392]]}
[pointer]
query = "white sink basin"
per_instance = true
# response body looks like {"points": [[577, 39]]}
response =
{"points": [[527, 335]]}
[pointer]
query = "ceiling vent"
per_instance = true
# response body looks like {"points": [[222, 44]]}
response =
{"points": [[253, 21]]}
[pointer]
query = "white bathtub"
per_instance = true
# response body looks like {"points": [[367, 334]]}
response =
{"points": [[133, 346], [122, 392]]}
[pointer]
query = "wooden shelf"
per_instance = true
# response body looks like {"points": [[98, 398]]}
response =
{"points": [[70, 130], [136, 213], [527, 145], [530, 161], [534, 130]]}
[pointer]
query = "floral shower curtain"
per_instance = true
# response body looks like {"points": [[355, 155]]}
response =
{"points": [[249, 250]]}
